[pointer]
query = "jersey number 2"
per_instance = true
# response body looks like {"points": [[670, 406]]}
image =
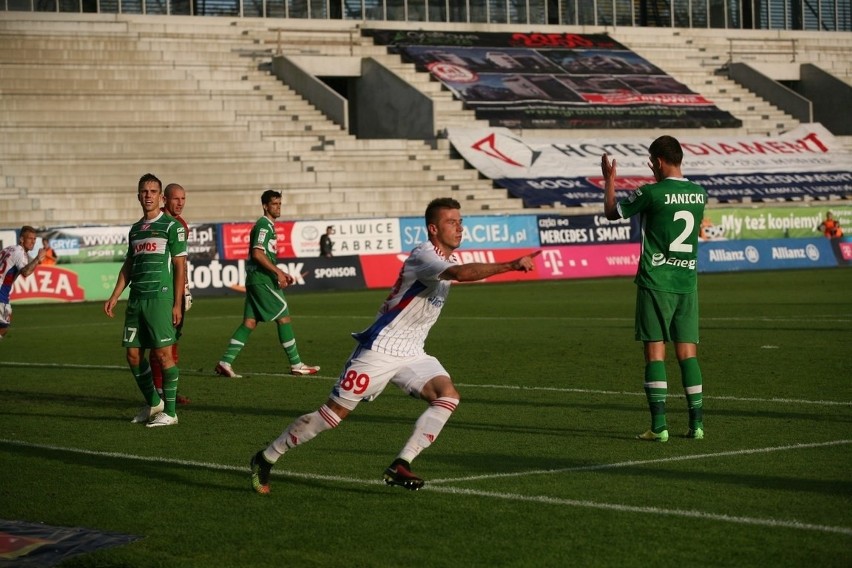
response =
{"points": [[679, 244]]}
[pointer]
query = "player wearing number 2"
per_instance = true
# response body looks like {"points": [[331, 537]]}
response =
{"points": [[391, 350], [670, 212]]}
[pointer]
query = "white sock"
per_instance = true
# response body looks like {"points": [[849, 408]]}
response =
{"points": [[301, 430], [428, 426]]}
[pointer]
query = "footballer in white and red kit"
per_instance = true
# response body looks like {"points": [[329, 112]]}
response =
{"points": [[413, 306], [15, 261], [391, 350]]}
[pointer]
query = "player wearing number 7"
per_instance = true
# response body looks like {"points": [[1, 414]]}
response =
{"points": [[391, 350], [155, 270], [670, 213]]}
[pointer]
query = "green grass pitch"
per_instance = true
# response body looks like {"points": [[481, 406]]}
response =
{"points": [[538, 467]]}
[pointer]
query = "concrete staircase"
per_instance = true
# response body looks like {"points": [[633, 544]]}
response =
{"points": [[89, 103]]}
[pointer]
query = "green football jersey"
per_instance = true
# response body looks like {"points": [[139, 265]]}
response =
{"points": [[263, 237], [152, 243], [670, 214]]}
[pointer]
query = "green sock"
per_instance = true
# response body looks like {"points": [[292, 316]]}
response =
{"points": [[238, 341], [145, 381], [170, 384], [690, 373], [655, 392], [288, 342]]}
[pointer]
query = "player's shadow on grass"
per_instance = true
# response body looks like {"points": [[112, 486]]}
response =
{"points": [[137, 471], [65, 399], [827, 415]]}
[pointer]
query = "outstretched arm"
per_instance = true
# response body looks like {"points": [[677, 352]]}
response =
{"points": [[478, 270]]}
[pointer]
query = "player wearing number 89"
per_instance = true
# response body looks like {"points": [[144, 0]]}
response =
{"points": [[670, 213], [391, 350]]}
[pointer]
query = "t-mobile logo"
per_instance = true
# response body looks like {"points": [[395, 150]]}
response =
{"points": [[553, 260]]}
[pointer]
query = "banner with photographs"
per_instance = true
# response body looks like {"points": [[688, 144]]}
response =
{"points": [[529, 80], [807, 161], [74, 245]]}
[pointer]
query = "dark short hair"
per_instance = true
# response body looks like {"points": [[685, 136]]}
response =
{"points": [[436, 205], [268, 196], [667, 148], [28, 229], [145, 179]]}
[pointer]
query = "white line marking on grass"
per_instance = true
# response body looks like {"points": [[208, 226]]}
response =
{"points": [[461, 385], [544, 499], [642, 394], [754, 521], [632, 463]]}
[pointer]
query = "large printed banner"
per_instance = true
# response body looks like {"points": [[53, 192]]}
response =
{"points": [[765, 254], [218, 278], [770, 222], [558, 230], [480, 232], [805, 162], [534, 80], [74, 245], [301, 238], [578, 246]]}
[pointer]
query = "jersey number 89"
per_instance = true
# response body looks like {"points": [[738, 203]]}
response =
{"points": [[355, 382]]}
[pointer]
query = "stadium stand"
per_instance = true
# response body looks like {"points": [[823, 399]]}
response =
{"points": [[89, 102]]}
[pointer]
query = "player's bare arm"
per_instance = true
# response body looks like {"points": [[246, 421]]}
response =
{"points": [[179, 263], [479, 270], [120, 284], [609, 171]]}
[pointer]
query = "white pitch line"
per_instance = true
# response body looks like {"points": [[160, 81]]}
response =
{"points": [[754, 521], [599, 467], [543, 499], [461, 385]]}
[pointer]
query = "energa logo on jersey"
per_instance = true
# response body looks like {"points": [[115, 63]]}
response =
{"points": [[659, 259]]}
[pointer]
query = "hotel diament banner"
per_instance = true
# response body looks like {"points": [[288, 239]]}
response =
{"points": [[535, 80], [805, 162]]}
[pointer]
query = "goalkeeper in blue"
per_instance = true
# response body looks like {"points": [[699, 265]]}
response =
{"points": [[670, 213]]}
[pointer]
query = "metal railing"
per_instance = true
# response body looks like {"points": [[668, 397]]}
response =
{"points": [[823, 15], [746, 48]]}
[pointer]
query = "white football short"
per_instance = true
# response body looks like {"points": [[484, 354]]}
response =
{"points": [[5, 315], [367, 373]]}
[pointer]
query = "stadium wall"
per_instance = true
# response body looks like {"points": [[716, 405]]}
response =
{"points": [[370, 252]]}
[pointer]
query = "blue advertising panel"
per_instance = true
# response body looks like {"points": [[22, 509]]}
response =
{"points": [[480, 232], [765, 254]]}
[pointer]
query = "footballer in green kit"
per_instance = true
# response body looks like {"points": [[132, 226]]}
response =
{"points": [[155, 270], [265, 300], [670, 213]]}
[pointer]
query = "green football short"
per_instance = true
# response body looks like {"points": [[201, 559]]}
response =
{"points": [[148, 323], [265, 303], [665, 316]]}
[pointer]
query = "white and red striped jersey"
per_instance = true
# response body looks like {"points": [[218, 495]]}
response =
{"points": [[413, 306], [13, 259]]}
